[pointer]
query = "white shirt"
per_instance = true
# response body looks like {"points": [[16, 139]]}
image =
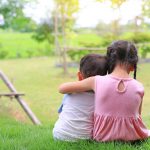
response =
{"points": [[76, 119]]}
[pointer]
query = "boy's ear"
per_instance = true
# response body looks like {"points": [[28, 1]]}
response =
{"points": [[80, 76]]}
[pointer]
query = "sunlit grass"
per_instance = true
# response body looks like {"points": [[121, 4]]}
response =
{"points": [[18, 45], [38, 78]]}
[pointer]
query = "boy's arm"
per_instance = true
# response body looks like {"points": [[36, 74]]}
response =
{"points": [[61, 106], [79, 86]]}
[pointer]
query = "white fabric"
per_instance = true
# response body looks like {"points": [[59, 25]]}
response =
{"points": [[76, 119]]}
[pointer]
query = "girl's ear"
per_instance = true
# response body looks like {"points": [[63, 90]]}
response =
{"points": [[131, 68], [80, 76]]}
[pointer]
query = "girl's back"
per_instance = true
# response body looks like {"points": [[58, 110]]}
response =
{"points": [[117, 111], [118, 98]]}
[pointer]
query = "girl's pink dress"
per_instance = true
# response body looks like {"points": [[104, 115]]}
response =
{"points": [[117, 112]]}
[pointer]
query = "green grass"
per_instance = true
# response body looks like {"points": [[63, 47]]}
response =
{"points": [[18, 45], [89, 39], [22, 45], [39, 79], [18, 136]]}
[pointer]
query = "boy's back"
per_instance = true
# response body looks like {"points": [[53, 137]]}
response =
{"points": [[76, 119]]}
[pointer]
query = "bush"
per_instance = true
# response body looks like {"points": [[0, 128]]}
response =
{"points": [[3, 53], [108, 39], [139, 37], [77, 55], [145, 49], [21, 45], [30, 53]]}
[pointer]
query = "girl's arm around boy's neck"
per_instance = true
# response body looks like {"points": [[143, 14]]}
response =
{"points": [[78, 86]]}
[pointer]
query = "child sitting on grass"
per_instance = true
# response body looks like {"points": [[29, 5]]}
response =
{"points": [[118, 97], [76, 119]]}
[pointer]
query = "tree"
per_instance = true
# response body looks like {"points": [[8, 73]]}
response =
{"points": [[116, 5], [12, 12], [146, 8], [64, 12], [43, 32]]}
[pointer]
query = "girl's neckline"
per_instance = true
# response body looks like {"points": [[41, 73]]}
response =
{"points": [[120, 78]]}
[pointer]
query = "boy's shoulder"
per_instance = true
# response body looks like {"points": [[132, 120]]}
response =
{"points": [[81, 94], [82, 97]]}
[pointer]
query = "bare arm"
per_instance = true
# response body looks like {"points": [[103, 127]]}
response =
{"points": [[140, 109], [79, 86]]}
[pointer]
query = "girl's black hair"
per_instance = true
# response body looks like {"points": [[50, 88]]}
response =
{"points": [[123, 52]]}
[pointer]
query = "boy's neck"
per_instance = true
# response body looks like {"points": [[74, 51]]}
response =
{"points": [[121, 71]]}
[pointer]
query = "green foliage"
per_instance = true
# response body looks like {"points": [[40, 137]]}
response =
{"points": [[67, 7], [90, 40], [117, 3], [3, 54], [93, 40], [114, 3], [87, 41], [138, 37], [77, 55], [109, 38], [146, 8], [21, 45], [145, 49], [44, 32], [65, 10], [12, 11]]}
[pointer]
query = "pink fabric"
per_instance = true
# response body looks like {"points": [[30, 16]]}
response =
{"points": [[117, 112]]}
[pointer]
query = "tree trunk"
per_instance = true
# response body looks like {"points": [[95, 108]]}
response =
{"points": [[65, 69], [57, 45]]}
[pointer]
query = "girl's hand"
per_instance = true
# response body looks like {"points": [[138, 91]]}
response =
{"points": [[79, 86]]}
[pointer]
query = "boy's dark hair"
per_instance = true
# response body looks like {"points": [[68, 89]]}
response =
{"points": [[93, 64], [122, 52]]}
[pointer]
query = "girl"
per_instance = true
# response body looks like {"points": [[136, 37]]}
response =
{"points": [[118, 97]]}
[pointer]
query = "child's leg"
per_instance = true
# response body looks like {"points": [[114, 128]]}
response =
{"points": [[61, 137]]}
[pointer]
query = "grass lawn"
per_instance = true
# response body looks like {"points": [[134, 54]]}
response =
{"points": [[17, 136], [21, 45], [39, 79]]}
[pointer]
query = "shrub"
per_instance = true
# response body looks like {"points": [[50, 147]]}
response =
{"points": [[3, 54], [139, 37], [145, 49], [108, 39], [77, 55]]}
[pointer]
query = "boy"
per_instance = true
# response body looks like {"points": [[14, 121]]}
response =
{"points": [[76, 113]]}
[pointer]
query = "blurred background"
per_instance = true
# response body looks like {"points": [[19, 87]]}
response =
{"points": [[42, 41]]}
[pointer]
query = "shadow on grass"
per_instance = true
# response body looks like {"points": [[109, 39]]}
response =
{"points": [[93, 145]]}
